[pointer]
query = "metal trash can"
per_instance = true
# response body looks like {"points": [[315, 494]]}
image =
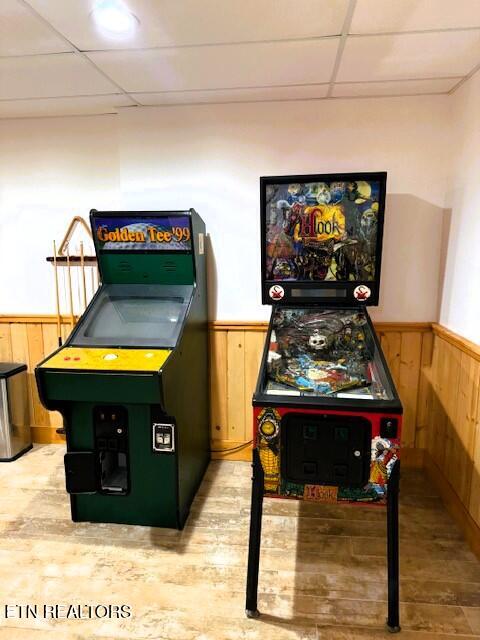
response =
{"points": [[15, 436]]}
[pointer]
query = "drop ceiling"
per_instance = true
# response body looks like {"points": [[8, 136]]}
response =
{"points": [[54, 61]]}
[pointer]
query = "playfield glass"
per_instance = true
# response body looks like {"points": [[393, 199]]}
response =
{"points": [[320, 352], [129, 316], [322, 231]]}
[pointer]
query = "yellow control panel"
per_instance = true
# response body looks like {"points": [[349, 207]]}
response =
{"points": [[78, 358]]}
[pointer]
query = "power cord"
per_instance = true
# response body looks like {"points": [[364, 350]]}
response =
{"points": [[237, 448]]}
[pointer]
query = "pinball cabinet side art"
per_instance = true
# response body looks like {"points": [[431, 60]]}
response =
{"points": [[326, 415]]}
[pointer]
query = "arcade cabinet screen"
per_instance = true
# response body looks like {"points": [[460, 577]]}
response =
{"points": [[122, 317], [140, 309], [322, 231]]}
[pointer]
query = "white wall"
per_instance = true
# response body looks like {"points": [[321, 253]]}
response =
{"points": [[210, 157], [50, 170], [461, 294]]}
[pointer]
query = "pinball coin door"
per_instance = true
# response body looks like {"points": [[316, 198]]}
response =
{"points": [[326, 414]]}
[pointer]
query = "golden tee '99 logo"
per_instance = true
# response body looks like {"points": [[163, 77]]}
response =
{"points": [[321, 222], [152, 234]]}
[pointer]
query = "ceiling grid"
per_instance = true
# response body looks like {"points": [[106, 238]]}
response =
{"points": [[54, 61]]}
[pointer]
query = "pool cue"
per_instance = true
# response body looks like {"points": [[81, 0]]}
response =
{"points": [[92, 277], [79, 292], [57, 295], [72, 319], [65, 297], [84, 287]]}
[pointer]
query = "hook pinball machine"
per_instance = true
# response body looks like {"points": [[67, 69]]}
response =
{"points": [[327, 417]]}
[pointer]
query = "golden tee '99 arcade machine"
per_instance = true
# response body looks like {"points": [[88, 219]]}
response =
{"points": [[327, 417], [131, 381]]}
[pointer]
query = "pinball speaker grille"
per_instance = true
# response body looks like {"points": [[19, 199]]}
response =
{"points": [[326, 449]]}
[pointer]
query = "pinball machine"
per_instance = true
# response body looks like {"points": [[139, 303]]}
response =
{"points": [[326, 415], [131, 379]]}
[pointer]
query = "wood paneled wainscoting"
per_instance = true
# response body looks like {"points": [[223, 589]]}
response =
{"points": [[235, 354], [451, 426], [29, 339], [437, 374]]}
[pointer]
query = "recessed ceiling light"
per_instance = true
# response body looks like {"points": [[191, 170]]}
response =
{"points": [[114, 17]]}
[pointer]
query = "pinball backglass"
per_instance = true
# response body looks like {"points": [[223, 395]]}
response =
{"points": [[322, 238]]}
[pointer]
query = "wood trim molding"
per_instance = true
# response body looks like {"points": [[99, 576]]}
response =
{"points": [[412, 457], [453, 504], [230, 450], [383, 327], [46, 435], [228, 325], [234, 325], [467, 346], [35, 319], [403, 327]]}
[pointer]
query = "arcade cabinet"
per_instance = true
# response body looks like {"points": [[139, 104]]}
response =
{"points": [[131, 381], [327, 417]]}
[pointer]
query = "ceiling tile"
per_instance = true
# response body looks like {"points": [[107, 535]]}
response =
{"points": [[22, 33], [220, 67], [183, 22], [399, 88], [304, 92], [409, 56], [63, 74], [80, 105], [377, 16]]}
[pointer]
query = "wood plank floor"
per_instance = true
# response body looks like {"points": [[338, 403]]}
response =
{"points": [[322, 569]]}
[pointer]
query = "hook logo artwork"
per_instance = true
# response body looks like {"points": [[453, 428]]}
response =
{"points": [[362, 292], [276, 292]]}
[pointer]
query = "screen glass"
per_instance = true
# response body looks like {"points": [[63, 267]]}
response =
{"points": [[321, 231], [148, 233], [130, 316]]}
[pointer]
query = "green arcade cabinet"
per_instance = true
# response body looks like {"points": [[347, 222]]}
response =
{"points": [[131, 380]]}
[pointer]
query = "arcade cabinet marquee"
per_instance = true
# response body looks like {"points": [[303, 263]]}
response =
{"points": [[327, 417], [136, 450]]}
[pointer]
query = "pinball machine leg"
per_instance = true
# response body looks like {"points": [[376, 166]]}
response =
{"points": [[393, 620], [255, 537]]}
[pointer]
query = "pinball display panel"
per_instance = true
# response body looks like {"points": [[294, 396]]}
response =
{"points": [[131, 380], [327, 417]]}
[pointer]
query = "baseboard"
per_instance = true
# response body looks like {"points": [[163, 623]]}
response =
{"points": [[412, 458], [454, 505], [231, 450], [46, 435]]}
